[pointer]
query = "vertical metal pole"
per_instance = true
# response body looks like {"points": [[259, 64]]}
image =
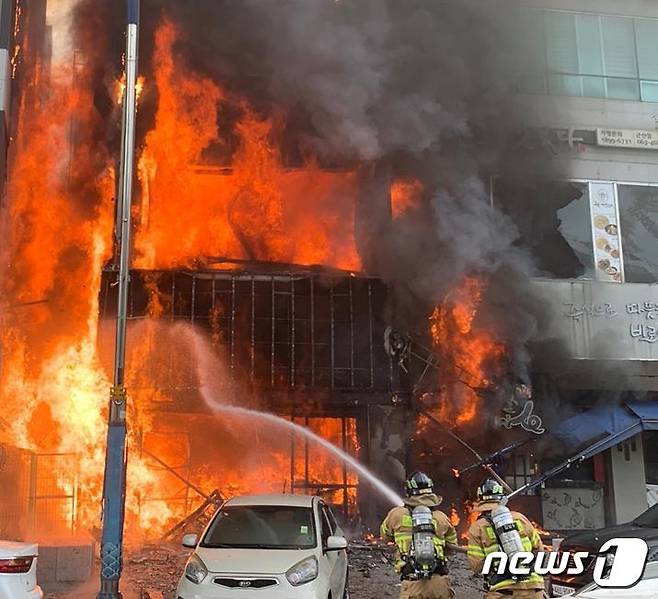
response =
{"points": [[273, 347], [292, 454], [292, 331], [253, 329], [193, 302], [346, 502], [32, 505], [233, 307], [114, 494], [351, 295], [306, 455], [370, 336], [312, 300], [333, 334]]}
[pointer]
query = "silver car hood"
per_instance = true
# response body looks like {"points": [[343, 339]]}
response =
{"points": [[251, 561]]}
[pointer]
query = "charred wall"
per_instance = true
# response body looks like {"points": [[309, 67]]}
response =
{"points": [[312, 339]]}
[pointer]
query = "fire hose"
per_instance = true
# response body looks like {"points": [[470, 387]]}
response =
{"points": [[464, 444]]}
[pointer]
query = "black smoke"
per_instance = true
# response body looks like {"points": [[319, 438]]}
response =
{"points": [[413, 88]]}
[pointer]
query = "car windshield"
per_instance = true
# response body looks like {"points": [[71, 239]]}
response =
{"points": [[262, 527], [649, 518]]}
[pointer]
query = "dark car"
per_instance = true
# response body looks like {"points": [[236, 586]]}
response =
{"points": [[645, 526]]}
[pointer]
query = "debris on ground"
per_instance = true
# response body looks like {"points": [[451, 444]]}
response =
{"points": [[372, 575], [154, 570]]}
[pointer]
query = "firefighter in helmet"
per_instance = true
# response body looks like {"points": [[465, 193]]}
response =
{"points": [[421, 533], [484, 538]]}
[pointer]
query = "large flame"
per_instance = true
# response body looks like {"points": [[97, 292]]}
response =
{"points": [[470, 354], [256, 209], [57, 227]]}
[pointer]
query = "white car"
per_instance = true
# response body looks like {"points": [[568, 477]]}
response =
{"points": [[18, 571], [270, 547], [646, 588]]}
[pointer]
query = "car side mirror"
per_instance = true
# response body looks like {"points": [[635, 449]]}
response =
{"points": [[190, 541], [336, 543]]}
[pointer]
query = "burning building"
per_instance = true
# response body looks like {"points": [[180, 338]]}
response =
{"points": [[337, 220]]}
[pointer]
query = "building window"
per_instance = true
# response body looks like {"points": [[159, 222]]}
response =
{"points": [[595, 56], [557, 231], [578, 472], [638, 213], [651, 456], [520, 470]]}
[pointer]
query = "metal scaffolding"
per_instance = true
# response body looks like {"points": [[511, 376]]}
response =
{"points": [[309, 340], [342, 488], [282, 331]]}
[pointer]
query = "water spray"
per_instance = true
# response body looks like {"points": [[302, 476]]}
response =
{"points": [[202, 353], [386, 491]]}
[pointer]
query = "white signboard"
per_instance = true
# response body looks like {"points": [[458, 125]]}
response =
{"points": [[605, 232], [604, 320], [627, 138]]}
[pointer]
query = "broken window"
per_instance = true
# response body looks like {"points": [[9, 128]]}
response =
{"points": [[638, 211], [554, 224]]}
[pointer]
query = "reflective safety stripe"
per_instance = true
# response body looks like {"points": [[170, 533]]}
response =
{"points": [[475, 551], [527, 544], [533, 578], [403, 542], [384, 530], [451, 537], [404, 536]]}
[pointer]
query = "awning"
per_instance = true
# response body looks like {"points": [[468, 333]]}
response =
{"points": [[588, 434], [604, 427], [648, 413]]}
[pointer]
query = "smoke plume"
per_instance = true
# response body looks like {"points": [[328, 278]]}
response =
{"points": [[420, 90]]}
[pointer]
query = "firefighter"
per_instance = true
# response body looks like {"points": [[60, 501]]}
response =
{"points": [[483, 539], [422, 578]]}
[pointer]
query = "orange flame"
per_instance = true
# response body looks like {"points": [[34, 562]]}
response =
{"points": [[471, 517], [470, 353], [120, 88], [58, 232], [454, 517], [405, 194], [256, 209], [18, 11]]}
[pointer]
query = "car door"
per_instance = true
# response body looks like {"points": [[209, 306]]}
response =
{"points": [[342, 555], [337, 560]]}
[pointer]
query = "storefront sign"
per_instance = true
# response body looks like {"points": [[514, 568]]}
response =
{"points": [[627, 138], [603, 320], [605, 232], [637, 330]]}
